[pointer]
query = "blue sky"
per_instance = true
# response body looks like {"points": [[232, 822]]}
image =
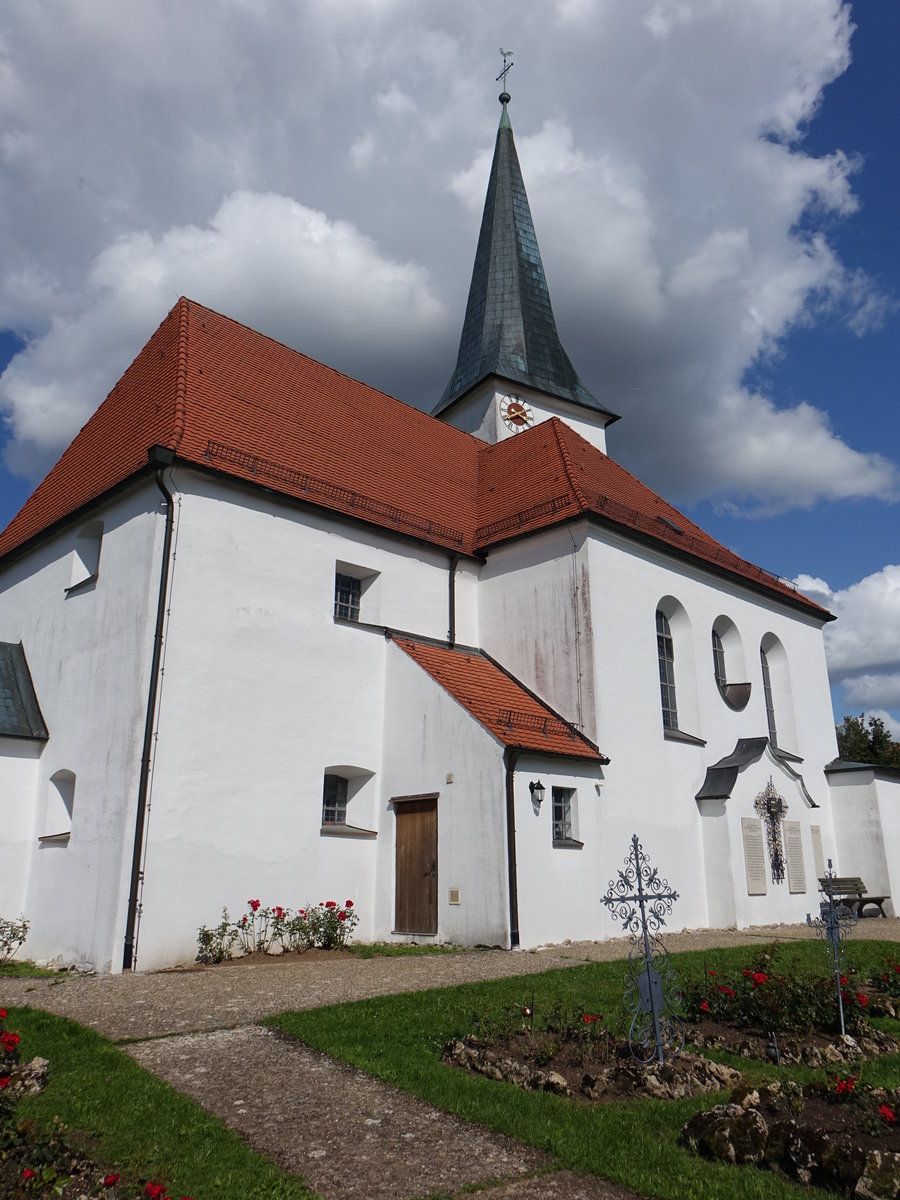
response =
{"points": [[713, 188]]}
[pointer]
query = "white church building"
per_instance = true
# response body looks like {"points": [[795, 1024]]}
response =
{"points": [[267, 632]]}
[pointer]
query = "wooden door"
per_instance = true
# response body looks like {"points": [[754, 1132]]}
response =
{"points": [[415, 876]]}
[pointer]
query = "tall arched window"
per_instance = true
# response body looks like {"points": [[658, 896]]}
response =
{"points": [[770, 703], [666, 652]]}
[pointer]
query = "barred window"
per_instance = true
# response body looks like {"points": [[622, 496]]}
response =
{"points": [[347, 592], [334, 800], [562, 814], [666, 653]]}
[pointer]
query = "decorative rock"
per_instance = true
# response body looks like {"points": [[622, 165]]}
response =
{"points": [[881, 1178], [27, 1079], [727, 1133]]}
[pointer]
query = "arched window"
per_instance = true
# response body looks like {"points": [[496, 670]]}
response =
{"points": [[719, 661], [770, 703], [778, 694], [665, 649], [728, 663]]}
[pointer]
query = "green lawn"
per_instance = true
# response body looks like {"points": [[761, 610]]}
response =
{"points": [[141, 1127], [399, 1039]]}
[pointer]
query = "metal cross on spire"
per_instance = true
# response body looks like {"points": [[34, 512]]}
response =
{"points": [[507, 67]]}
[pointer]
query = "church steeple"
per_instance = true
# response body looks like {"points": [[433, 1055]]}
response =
{"points": [[509, 330]]}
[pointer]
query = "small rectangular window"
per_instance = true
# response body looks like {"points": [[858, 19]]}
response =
{"points": [[334, 800], [563, 815], [347, 591]]}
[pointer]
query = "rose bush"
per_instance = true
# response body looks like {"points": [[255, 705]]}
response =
{"points": [[276, 929]]}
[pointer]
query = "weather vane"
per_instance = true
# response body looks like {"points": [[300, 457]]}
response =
{"points": [[507, 66]]}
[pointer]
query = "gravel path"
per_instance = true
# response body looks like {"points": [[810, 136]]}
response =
{"points": [[349, 1136], [191, 999]]}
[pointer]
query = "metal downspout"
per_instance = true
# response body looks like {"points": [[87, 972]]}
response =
{"points": [[451, 633], [161, 458], [510, 758]]}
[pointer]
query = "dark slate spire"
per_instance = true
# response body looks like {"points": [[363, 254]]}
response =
{"points": [[509, 328]]}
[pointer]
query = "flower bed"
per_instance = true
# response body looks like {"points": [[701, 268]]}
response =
{"points": [[278, 930]]}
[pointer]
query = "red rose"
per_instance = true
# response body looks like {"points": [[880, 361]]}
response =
{"points": [[711, 972], [4, 1082], [705, 1006], [254, 904], [342, 916], [348, 904], [111, 1180], [887, 1114], [759, 977], [862, 999], [3, 1011], [28, 1173], [155, 1190], [331, 903], [843, 980]]}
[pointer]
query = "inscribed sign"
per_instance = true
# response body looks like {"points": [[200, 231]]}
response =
{"points": [[754, 856], [793, 852]]}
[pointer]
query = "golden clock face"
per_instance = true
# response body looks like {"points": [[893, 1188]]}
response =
{"points": [[516, 414]]}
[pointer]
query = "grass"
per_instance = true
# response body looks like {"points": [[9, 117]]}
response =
{"points": [[138, 1125], [399, 1039], [17, 970], [133, 1123], [399, 949]]}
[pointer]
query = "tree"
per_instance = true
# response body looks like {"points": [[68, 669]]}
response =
{"points": [[867, 741]]}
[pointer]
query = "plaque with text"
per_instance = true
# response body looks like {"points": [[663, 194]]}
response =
{"points": [[818, 854], [754, 855], [793, 853]]}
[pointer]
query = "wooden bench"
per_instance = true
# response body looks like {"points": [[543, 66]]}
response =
{"points": [[850, 891]]}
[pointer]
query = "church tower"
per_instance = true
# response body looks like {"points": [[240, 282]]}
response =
{"points": [[512, 371]]}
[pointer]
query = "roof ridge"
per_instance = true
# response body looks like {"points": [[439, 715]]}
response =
{"points": [[567, 463], [180, 412]]}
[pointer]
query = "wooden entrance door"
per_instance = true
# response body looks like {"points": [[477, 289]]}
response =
{"points": [[415, 876]]}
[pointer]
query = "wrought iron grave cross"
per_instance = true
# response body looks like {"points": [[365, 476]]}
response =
{"points": [[772, 808], [834, 925], [642, 900]]}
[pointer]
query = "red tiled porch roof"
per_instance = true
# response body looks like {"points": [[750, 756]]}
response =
{"points": [[498, 702]]}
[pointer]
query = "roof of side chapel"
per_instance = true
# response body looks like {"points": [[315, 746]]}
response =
{"points": [[498, 702], [230, 400]]}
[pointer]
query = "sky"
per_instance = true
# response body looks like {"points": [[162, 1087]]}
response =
{"points": [[713, 187]]}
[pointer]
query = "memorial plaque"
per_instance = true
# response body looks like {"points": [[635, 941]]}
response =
{"points": [[754, 856], [818, 854], [793, 852]]}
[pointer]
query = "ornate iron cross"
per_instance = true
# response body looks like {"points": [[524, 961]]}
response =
{"points": [[772, 808], [833, 924], [642, 900]]}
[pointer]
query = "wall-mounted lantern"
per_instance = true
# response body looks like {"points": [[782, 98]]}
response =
{"points": [[537, 790]]}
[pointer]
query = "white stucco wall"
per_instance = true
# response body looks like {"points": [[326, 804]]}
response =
{"points": [[88, 652], [866, 811], [19, 758], [433, 745], [264, 692], [559, 886], [535, 614]]}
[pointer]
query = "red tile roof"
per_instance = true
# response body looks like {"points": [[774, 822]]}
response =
{"points": [[226, 398], [499, 702]]}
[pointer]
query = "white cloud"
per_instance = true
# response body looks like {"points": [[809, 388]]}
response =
{"points": [[263, 259], [863, 645], [684, 228]]}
